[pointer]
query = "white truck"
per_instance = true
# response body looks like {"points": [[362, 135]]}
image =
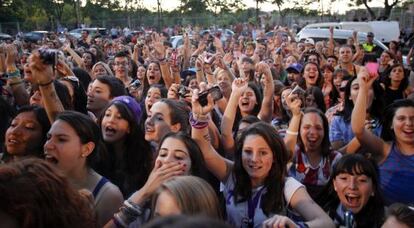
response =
{"points": [[384, 31]]}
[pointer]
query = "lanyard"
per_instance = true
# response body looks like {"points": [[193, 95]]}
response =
{"points": [[251, 206]]}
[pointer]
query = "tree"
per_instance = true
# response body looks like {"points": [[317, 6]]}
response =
{"points": [[388, 6], [257, 9]]}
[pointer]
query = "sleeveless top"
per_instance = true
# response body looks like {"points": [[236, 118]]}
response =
{"points": [[314, 178], [397, 177], [351, 74], [248, 213]]}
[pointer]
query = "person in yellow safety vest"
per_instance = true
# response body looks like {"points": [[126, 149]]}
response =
{"points": [[369, 46]]}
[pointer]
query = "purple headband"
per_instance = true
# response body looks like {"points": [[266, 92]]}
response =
{"points": [[132, 105]]}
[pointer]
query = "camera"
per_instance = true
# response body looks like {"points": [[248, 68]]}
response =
{"points": [[49, 56], [215, 93], [183, 91], [135, 84]]}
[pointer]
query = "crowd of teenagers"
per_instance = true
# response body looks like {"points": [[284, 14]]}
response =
{"points": [[243, 132]]}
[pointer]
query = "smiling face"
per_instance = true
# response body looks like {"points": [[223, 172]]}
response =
{"points": [[87, 59], [65, 149], [98, 96], [158, 122], [174, 150], [311, 74], [99, 70], [121, 67], [23, 135], [345, 55], [403, 125], [311, 131], [355, 90], [114, 127], [257, 158], [153, 74], [153, 95], [353, 191], [384, 58], [141, 73], [247, 101]]}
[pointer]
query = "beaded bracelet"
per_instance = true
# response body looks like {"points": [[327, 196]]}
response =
{"points": [[198, 124]]}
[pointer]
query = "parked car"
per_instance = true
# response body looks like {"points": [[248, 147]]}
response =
{"points": [[36, 36], [5, 37], [224, 35], [77, 33], [177, 41]]}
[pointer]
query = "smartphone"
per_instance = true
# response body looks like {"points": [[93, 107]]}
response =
{"points": [[215, 93], [300, 92], [372, 68], [174, 57]]}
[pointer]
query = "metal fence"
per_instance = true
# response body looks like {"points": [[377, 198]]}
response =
{"points": [[405, 18]]}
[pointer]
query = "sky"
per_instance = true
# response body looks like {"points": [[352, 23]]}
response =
{"points": [[338, 7]]}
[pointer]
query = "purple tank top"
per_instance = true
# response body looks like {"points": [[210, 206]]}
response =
{"points": [[397, 177]]}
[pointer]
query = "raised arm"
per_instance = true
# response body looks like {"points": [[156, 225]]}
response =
{"points": [[292, 134], [14, 79], [266, 111], [44, 76], [217, 165], [364, 136], [238, 87], [160, 55], [331, 42], [74, 55]]}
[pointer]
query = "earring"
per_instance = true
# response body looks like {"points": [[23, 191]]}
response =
{"points": [[83, 155]]}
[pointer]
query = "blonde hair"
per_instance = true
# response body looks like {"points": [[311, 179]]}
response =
{"points": [[106, 66], [193, 195]]}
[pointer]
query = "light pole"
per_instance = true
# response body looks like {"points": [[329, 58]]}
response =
{"points": [[159, 14]]}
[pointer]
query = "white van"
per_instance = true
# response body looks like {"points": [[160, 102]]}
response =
{"points": [[384, 31]]}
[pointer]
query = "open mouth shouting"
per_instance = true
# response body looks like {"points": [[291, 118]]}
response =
{"points": [[50, 158]]}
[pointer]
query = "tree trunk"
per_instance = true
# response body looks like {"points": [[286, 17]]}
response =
{"points": [[370, 11], [257, 12]]}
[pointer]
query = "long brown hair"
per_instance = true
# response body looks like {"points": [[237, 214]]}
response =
{"points": [[35, 194]]}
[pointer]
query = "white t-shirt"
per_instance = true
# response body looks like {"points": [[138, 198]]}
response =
{"points": [[237, 214]]}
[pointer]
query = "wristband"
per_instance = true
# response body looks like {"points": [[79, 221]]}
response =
{"points": [[198, 123], [292, 132], [46, 84]]}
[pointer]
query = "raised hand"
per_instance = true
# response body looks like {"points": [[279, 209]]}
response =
{"points": [[199, 110], [158, 46], [42, 73], [294, 103], [11, 53], [238, 86]]}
